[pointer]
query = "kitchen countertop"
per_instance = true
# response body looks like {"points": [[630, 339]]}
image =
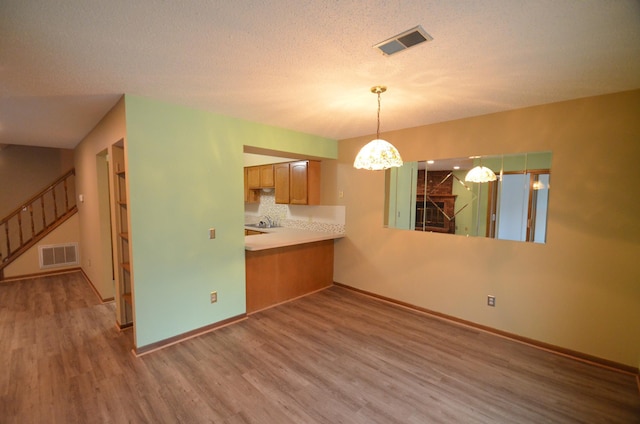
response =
{"points": [[284, 236]]}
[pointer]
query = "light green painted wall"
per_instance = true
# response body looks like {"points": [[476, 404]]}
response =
{"points": [[185, 175]]}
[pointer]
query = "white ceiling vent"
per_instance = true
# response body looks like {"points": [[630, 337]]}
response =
{"points": [[403, 41]]}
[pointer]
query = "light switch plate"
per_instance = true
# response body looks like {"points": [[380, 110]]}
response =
{"points": [[212, 233]]}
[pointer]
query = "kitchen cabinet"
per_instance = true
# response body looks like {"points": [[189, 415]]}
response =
{"points": [[295, 183], [281, 274], [300, 185], [281, 171], [253, 177], [260, 176], [250, 195], [266, 176]]}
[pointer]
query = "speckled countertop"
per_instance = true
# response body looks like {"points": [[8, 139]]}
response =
{"points": [[284, 236]]}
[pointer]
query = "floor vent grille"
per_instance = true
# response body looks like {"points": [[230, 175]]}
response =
{"points": [[58, 255]]}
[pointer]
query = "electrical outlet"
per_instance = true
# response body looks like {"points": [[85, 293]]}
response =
{"points": [[491, 300], [214, 296]]}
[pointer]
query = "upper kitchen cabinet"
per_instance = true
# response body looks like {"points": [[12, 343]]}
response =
{"points": [[266, 176], [250, 195], [253, 177], [260, 177], [304, 184], [300, 185], [281, 171]]}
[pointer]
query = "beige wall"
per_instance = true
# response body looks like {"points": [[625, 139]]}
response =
{"points": [[29, 263], [25, 170], [94, 260], [580, 290]]}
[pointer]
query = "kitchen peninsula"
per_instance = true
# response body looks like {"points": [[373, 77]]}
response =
{"points": [[285, 263]]}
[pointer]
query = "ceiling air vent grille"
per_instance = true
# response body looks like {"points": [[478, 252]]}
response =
{"points": [[403, 41]]}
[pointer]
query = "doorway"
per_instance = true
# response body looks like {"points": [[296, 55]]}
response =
{"points": [[104, 210]]}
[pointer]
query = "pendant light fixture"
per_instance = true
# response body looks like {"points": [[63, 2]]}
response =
{"points": [[480, 174], [378, 154]]}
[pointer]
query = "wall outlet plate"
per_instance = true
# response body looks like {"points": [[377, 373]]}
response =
{"points": [[214, 296], [491, 300]]}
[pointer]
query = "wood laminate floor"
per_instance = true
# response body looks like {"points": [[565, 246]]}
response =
{"points": [[332, 357]]}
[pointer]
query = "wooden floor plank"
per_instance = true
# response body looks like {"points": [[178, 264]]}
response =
{"points": [[332, 357]]}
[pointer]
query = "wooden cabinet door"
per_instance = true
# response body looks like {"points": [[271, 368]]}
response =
{"points": [[298, 183], [304, 182], [266, 176], [250, 195], [253, 177], [281, 176]]}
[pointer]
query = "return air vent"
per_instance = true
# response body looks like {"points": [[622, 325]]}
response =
{"points": [[403, 41], [58, 255]]}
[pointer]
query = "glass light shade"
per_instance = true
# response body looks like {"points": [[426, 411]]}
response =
{"points": [[377, 155], [480, 174]]}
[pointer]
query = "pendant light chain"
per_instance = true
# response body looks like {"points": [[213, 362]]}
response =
{"points": [[378, 131], [377, 154]]}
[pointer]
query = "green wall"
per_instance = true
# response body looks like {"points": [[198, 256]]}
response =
{"points": [[185, 175]]}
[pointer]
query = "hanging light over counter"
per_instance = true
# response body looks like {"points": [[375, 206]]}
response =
{"points": [[378, 154]]}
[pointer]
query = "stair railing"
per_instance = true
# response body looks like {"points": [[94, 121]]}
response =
{"points": [[36, 217]]}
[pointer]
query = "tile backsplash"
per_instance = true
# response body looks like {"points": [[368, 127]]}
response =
{"points": [[313, 218]]}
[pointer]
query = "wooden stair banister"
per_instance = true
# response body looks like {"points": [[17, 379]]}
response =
{"points": [[43, 212]]}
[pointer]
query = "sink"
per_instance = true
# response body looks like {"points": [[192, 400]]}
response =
{"points": [[261, 225]]}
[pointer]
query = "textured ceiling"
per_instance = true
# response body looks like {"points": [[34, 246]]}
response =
{"points": [[304, 65]]}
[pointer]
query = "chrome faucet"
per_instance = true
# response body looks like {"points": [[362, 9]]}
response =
{"points": [[269, 222]]}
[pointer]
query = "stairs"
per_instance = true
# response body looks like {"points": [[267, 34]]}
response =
{"points": [[37, 217]]}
